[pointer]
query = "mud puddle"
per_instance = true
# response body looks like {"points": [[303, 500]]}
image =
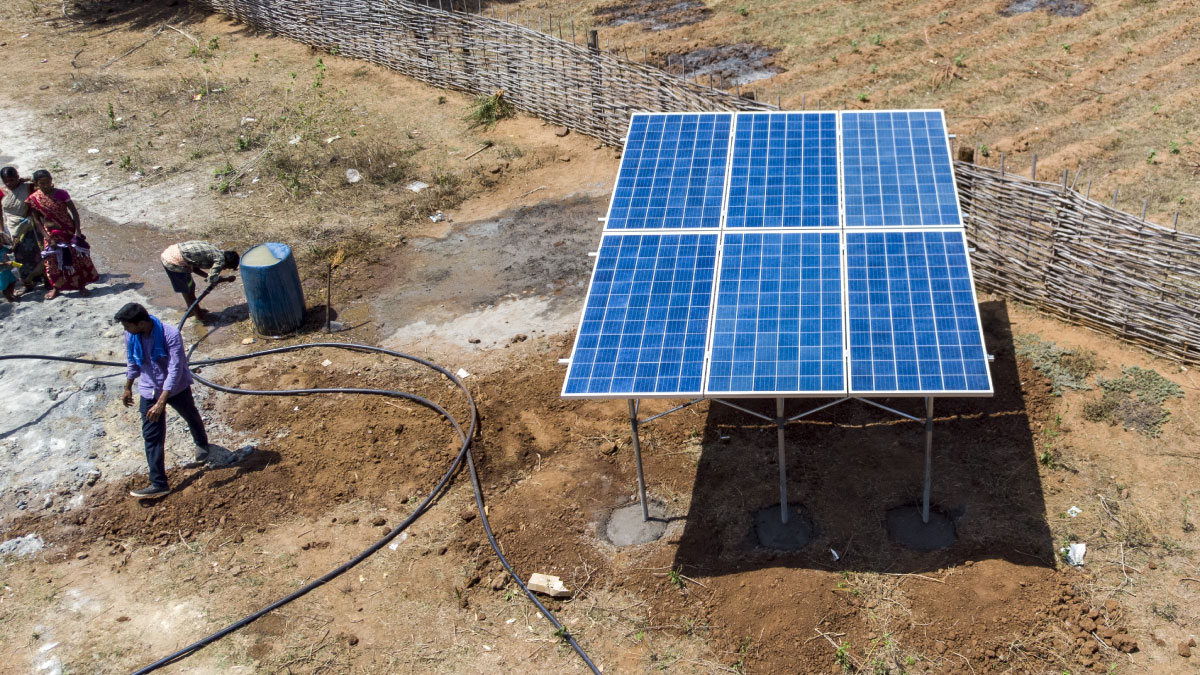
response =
{"points": [[735, 64], [527, 268], [1056, 7], [654, 14]]}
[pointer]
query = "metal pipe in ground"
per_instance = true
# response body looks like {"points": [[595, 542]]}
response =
{"points": [[783, 500], [928, 459], [637, 457]]}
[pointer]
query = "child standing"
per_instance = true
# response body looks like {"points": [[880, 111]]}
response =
{"points": [[8, 280]]}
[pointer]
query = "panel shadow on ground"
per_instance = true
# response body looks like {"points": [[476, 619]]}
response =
{"points": [[849, 465]]}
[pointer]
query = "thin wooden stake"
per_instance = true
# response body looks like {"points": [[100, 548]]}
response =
{"points": [[1145, 203], [1002, 165], [1115, 190], [1088, 194], [1175, 223], [803, 101], [1065, 180], [1033, 168]]}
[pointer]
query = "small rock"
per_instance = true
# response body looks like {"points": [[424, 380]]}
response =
{"points": [[1125, 493], [248, 341], [564, 158], [467, 515], [474, 341], [562, 131], [351, 640], [1185, 650], [122, 619], [379, 521], [519, 337], [495, 168], [499, 581], [108, 162], [442, 550], [1152, 565], [81, 556], [547, 585], [1191, 642]]}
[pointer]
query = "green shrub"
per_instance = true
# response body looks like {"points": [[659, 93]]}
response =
{"points": [[488, 110], [1065, 368], [1134, 401]]}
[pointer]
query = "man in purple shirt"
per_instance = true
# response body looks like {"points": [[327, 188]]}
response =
{"points": [[157, 361]]}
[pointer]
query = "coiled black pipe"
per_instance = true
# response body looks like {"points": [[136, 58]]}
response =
{"points": [[463, 453]]}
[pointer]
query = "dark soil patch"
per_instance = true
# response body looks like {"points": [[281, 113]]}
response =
{"points": [[1058, 7], [726, 65], [654, 14]]}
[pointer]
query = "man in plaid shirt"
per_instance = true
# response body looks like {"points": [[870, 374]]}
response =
{"points": [[201, 258]]}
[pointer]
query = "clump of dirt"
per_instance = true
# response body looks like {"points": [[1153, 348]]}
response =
{"points": [[730, 64], [654, 14], [1059, 7]]}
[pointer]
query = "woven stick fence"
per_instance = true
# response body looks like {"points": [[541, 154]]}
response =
{"points": [[1090, 264], [1039, 243]]}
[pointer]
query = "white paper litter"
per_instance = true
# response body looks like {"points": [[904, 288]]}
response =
{"points": [[248, 120], [416, 186], [353, 176], [332, 139], [1074, 511], [399, 540], [437, 217], [93, 151], [462, 373], [1075, 553], [294, 140], [327, 363], [510, 621], [836, 557]]}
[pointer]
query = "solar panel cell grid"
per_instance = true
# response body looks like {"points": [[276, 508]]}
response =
{"points": [[784, 171], [913, 325], [645, 322], [672, 174], [897, 170], [778, 323]]}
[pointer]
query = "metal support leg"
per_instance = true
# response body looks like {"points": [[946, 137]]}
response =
{"points": [[637, 456], [783, 499], [928, 458]]}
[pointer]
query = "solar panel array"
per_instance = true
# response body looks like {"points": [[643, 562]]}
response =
{"points": [[782, 254]]}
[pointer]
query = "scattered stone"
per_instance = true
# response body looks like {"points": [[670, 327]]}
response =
{"points": [[548, 585], [1125, 493], [562, 131], [519, 337], [474, 341], [495, 168], [92, 477], [81, 556], [351, 639], [442, 550], [379, 521], [108, 162], [564, 158], [1185, 650], [499, 581], [467, 515], [1152, 565], [122, 619]]}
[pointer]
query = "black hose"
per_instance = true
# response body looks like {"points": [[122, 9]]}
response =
{"points": [[464, 452]]}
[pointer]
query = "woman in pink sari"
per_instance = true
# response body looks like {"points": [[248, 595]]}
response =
{"points": [[67, 256]]}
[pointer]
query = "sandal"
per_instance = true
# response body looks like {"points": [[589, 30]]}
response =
{"points": [[52, 294]]}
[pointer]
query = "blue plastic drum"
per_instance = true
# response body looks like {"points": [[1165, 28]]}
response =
{"points": [[272, 286]]}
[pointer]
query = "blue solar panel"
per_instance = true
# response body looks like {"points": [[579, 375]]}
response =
{"points": [[778, 325], [784, 171], [672, 174], [913, 322], [645, 321], [896, 170]]}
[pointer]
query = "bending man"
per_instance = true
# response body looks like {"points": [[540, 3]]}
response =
{"points": [[157, 361], [201, 258]]}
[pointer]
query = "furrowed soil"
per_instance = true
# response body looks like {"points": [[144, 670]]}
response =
{"points": [[496, 290]]}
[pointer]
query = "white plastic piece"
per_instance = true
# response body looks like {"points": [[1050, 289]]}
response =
{"points": [[353, 176], [416, 186], [1074, 511], [564, 362], [93, 151], [462, 373], [327, 363], [836, 557], [1075, 553]]}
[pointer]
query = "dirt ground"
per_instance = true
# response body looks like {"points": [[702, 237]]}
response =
{"points": [[496, 290]]}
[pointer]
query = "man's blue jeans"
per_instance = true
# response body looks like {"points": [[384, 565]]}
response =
{"points": [[155, 433]]}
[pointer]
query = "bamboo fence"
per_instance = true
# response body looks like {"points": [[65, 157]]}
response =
{"points": [[1038, 243]]}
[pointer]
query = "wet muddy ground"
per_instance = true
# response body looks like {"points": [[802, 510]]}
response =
{"points": [[654, 14], [727, 65]]}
